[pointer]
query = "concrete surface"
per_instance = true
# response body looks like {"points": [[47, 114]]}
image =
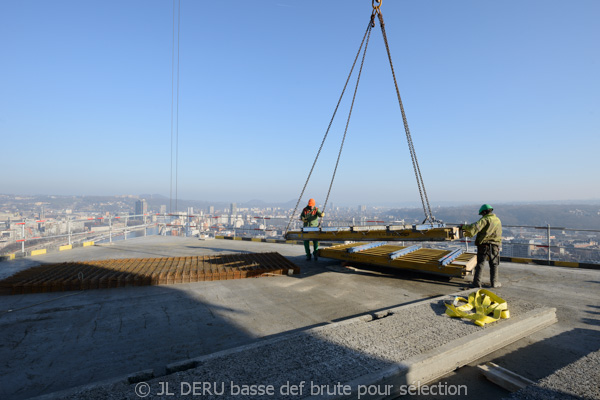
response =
{"points": [[55, 341], [578, 380], [342, 360]]}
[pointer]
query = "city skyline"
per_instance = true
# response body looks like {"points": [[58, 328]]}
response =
{"points": [[501, 100]]}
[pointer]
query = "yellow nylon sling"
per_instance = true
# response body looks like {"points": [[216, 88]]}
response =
{"points": [[485, 303]]}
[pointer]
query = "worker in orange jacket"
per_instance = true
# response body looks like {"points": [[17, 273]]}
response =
{"points": [[310, 216]]}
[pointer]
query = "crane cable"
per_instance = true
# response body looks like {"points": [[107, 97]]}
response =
{"points": [[349, 115], [420, 183], [175, 119], [328, 128]]}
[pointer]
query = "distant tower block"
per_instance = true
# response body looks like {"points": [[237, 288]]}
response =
{"points": [[141, 207], [232, 213]]}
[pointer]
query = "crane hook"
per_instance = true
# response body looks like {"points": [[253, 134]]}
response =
{"points": [[376, 5]]}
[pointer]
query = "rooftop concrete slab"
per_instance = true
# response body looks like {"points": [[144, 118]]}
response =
{"points": [[358, 358], [578, 380], [55, 341]]}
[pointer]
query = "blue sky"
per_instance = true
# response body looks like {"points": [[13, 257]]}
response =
{"points": [[502, 99]]}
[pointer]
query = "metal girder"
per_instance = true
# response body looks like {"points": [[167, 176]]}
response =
{"points": [[448, 258], [404, 251], [378, 232], [363, 247]]}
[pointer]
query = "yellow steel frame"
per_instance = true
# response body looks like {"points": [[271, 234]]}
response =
{"points": [[423, 260], [379, 233]]}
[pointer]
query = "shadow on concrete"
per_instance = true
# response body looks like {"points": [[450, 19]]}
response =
{"points": [[592, 320], [534, 361], [536, 392], [543, 358], [59, 340], [405, 274]]}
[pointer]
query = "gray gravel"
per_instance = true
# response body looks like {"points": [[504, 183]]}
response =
{"points": [[578, 380], [328, 355]]}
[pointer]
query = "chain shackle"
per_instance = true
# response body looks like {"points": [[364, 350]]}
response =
{"points": [[376, 5]]}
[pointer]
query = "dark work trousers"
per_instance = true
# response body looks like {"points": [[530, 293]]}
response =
{"points": [[307, 246], [490, 252]]}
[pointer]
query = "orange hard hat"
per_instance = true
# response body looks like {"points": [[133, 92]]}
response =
{"points": [[311, 202]]}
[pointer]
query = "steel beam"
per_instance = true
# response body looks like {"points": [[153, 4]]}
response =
{"points": [[378, 232], [404, 251], [363, 247], [448, 258]]}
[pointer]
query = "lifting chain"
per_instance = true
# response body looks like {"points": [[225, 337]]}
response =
{"points": [[367, 33], [413, 155], [422, 192]]}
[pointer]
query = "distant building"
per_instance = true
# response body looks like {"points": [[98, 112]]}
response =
{"points": [[519, 248], [232, 213], [141, 207], [211, 210], [163, 209]]}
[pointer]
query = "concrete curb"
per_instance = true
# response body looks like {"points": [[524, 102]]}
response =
{"points": [[432, 365], [49, 249]]}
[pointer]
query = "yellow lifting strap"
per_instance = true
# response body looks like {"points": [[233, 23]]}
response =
{"points": [[484, 302]]}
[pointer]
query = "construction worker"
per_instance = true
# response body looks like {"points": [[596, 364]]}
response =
{"points": [[310, 216], [489, 239]]}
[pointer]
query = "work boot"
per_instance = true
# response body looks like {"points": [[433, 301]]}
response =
{"points": [[316, 255], [476, 285], [496, 285], [308, 257]]}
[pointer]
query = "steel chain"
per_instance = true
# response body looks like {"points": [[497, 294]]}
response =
{"points": [[327, 132], [422, 192], [349, 115]]}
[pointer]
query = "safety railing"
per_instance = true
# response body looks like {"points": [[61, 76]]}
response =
{"points": [[548, 243], [30, 234]]}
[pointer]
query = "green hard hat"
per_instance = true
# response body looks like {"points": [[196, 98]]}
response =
{"points": [[485, 207]]}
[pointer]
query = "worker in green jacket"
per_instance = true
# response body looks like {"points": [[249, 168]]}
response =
{"points": [[310, 216], [489, 239]]}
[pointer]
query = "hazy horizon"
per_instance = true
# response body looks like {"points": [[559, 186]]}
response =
{"points": [[292, 202]]}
